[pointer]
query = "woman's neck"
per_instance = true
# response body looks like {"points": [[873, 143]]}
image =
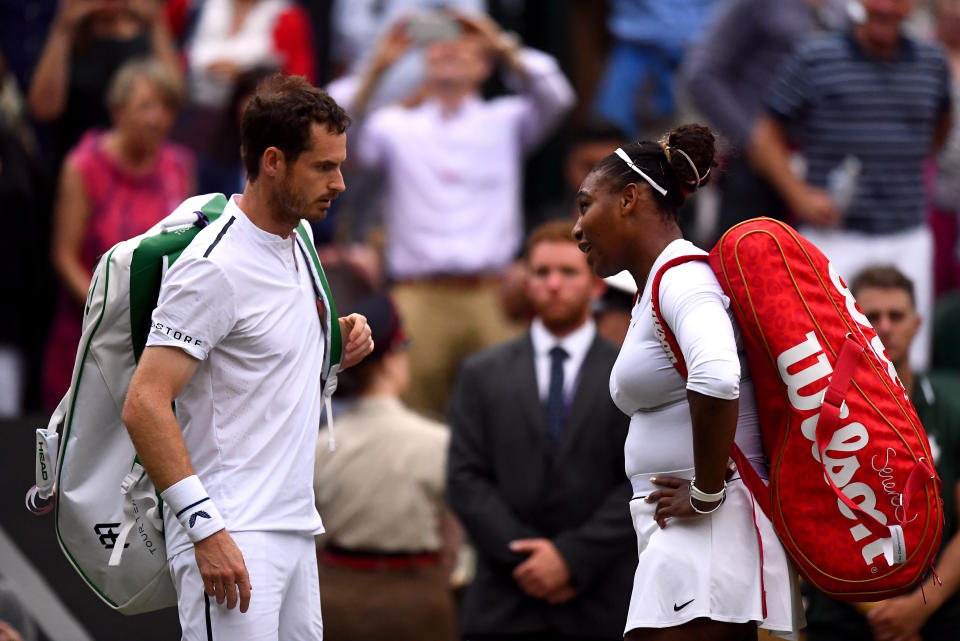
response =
{"points": [[649, 249], [129, 154]]}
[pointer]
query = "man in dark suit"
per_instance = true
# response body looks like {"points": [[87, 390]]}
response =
{"points": [[536, 467]]}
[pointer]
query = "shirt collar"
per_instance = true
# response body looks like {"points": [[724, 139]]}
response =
{"points": [[576, 343], [466, 105], [262, 236]]}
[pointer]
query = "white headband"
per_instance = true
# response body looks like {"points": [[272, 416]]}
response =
{"points": [[692, 166], [626, 158]]}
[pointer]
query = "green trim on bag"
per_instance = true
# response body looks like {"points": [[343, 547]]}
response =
{"points": [[336, 340], [67, 423], [146, 271]]}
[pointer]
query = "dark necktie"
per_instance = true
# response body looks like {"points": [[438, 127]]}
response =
{"points": [[555, 400]]}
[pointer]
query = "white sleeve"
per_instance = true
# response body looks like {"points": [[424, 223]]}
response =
{"points": [[372, 143], [545, 96], [695, 308], [196, 308]]}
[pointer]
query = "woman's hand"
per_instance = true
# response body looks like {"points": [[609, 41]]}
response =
{"points": [[673, 500]]}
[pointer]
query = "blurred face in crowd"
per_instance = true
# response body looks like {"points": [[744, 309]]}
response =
{"points": [[146, 116], [881, 28], [463, 61], [891, 313], [560, 285], [584, 157], [308, 185], [597, 230]]}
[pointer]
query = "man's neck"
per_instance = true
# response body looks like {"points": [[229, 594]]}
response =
{"points": [[559, 331], [450, 97], [880, 50], [260, 209], [906, 376]]}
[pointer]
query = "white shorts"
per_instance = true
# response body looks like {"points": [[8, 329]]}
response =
{"points": [[710, 567], [284, 601]]}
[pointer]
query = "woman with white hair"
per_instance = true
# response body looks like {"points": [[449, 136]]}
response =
{"points": [[114, 185]]}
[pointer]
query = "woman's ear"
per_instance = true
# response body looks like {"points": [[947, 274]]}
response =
{"points": [[628, 198]]}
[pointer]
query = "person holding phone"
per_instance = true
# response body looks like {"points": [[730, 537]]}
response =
{"points": [[453, 165]]}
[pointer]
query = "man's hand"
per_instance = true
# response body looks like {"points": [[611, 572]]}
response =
{"points": [[544, 575], [391, 47], [899, 618], [356, 336], [815, 206], [223, 570], [7, 633], [71, 13]]}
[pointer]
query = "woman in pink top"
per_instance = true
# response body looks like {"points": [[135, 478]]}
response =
{"points": [[114, 185]]}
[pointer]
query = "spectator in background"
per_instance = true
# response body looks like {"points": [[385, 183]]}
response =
{"points": [[389, 542], [588, 146], [223, 172], [536, 466], [728, 73], [649, 39], [88, 42], [946, 195], [222, 40], [24, 205], [453, 164], [114, 185], [931, 613], [357, 27], [867, 107]]}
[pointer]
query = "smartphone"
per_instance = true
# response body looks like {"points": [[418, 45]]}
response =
{"points": [[427, 27]]}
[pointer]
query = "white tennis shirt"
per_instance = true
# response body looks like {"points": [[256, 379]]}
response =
{"points": [[646, 386], [241, 300]]}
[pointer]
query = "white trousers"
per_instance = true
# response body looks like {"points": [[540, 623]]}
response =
{"points": [[910, 251], [284, 601]]}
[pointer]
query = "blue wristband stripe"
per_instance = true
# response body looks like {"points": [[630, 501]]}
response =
{"points": [[192, 505]]}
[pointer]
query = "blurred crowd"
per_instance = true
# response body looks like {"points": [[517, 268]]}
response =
{"points": [[474, 122]]}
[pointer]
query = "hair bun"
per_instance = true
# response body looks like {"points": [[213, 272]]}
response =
{"points": [[698, 146]]}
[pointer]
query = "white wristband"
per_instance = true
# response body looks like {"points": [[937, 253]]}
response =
{"points": [[706, 497], [193, 508]]}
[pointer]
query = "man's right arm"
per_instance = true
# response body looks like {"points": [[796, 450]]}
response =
{"points": [[161, 375]]}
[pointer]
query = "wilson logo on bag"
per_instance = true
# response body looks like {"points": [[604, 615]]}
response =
{"points": [[853, 494]]}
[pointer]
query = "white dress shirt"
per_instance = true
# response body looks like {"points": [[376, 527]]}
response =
{"points": [[453, 179], [576, 344]]}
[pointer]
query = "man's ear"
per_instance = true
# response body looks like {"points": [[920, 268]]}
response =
{"points": [[272, 162]]}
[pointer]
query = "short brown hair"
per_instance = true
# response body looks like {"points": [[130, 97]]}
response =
{"points": [[280, 115], [555, 231], [883, 277]]}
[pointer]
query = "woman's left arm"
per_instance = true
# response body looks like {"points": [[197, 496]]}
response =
{"points": [[695, 309], [714, 426]]}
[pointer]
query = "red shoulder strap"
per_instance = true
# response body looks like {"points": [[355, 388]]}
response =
{"points": [[663, 331]]}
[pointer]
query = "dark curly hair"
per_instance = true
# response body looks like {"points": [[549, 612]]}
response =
{"points": [[664, 162], [280, 115]]}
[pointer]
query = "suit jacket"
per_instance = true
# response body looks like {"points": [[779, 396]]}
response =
{"points": [[506, 481]]}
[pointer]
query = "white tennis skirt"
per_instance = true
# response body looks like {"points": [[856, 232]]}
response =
{"points": [[710, 567]]}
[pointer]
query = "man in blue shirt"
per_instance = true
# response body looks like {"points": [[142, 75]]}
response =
{"points": [[866, 107]]}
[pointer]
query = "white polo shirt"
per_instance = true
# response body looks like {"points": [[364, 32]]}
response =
{"points": [[241, 300]]}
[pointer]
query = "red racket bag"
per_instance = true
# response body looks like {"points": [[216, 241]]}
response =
{"points": [[853, 494]]}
